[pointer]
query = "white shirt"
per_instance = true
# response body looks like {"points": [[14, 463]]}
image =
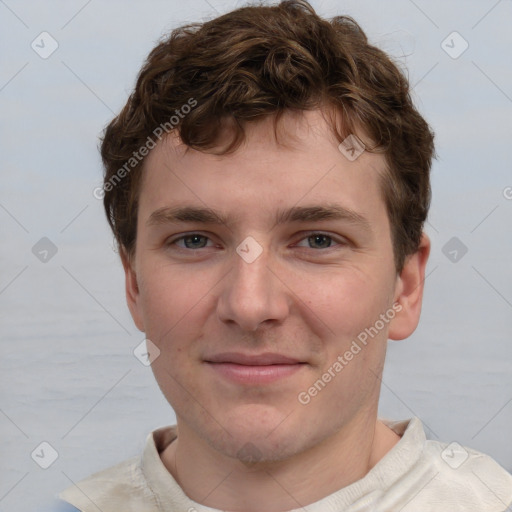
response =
{"points": [[416, 475]]}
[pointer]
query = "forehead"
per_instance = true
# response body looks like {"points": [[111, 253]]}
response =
{"points": [[303, 165]]}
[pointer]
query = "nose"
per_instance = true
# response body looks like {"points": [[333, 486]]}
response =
{"points": [[252, 294]]}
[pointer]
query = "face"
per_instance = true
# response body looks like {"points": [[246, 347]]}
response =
{"points": [[254, 274]]}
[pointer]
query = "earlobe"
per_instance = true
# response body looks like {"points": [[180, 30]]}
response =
{"points": [[132, 289], [409, 292]]}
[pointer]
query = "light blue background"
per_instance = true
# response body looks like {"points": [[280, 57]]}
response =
{"points": [[68, 375]]}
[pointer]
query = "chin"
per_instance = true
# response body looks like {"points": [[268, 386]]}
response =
{"points": [[259, 450], [260, 433]]}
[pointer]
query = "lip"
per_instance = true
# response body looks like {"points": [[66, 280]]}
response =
{"points": [[250, 369], [265, 359]]}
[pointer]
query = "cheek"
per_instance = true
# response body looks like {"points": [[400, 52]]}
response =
{"points": [[342, 304], [167, 300], [351, 353], [174, 305]]}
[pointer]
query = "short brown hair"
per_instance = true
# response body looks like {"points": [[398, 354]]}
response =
{"points": [[262, 60]]}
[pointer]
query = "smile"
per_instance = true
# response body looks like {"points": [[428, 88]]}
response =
{"points": [[254, 369]]}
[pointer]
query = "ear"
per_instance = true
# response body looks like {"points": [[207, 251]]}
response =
{"points": [[409, 292], [132, 289]]}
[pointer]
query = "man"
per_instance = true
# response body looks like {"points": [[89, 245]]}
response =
{"points": [[267, 183]]}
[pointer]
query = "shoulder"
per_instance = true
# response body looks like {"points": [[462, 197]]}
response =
{"points": [[423, 475], [464, 478], [125, 486], [111, 488]]}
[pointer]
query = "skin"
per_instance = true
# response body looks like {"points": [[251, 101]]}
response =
{"points": [[255, 447]]}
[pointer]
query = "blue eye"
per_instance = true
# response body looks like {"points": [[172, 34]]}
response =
{"points": [[316, 241], [192, 241], [319, 241]]}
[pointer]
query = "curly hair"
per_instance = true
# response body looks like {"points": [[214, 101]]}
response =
{"points": [[260, 61]]}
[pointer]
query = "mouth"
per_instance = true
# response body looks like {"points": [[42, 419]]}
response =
{"points": [[254, 369]]}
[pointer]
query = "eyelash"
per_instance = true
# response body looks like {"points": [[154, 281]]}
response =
{"points": [[339, 242]]}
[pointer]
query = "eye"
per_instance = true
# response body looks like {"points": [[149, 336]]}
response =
{"points": [[190, 241], [319, 241]]}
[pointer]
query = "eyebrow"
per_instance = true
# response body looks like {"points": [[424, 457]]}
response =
{"points": [[295, 214]]}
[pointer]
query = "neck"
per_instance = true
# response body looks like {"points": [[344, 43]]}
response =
{"points": [[214, 480]]}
